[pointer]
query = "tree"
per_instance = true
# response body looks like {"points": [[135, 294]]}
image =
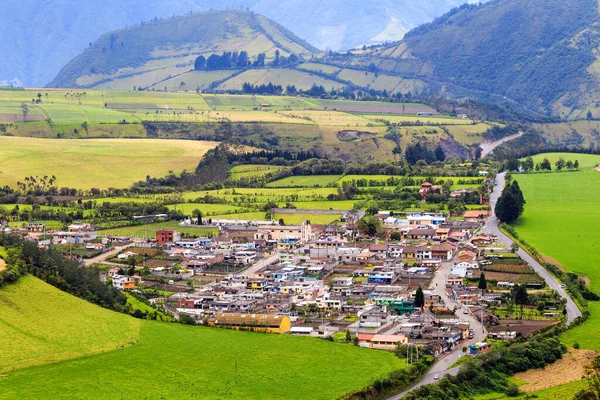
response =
{"points": [[24, 111], [512, 164], [348, 336], [576, 164], [592, 373], [482, 283], [560, 164], [521, 296], [527, 164], [511, 203], [419, 298], [569, 165], [369, 225], [395, 236], [200, 63], [439, 153], [541, 306], [545, 165]]}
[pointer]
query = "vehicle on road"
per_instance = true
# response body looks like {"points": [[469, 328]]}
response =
{"points": [[436, 377], [563, 286]]}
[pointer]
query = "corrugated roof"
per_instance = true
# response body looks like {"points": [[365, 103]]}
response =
{"points": [[270, 320]]}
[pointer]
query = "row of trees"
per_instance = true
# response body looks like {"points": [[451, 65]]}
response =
{"points": [[528, 165], [420, 151], [234, 59]]}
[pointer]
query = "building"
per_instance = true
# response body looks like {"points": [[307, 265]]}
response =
{"points": [[166, 236], [123, 282], [269, 323], [36, 227], [479, 348], [475, 215], [79, 227], [425, 218], [387, 342]]}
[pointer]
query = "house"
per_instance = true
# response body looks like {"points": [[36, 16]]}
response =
{"points": [[479, 348], [126, 255], [453, 280], [36, 227], [442, 233], [481, 239], [269, 323], [419, 218], [123, 282], [427, 188], [166, 236], [442, 252], [94, 246], [475, 215], [78, 227], [387, 342], [421, 234]]}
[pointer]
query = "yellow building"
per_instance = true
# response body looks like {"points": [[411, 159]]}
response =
{"points": [[387, 342], [269, 323]]}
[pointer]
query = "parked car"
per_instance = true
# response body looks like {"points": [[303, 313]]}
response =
{"points": [[436, 377]]}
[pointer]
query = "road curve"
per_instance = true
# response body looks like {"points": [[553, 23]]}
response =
{"points": [[488, 147], [491, 227]]}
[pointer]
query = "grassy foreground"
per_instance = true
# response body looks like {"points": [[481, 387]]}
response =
{"points": [[40, 324], [99, 163], [168, 360]]}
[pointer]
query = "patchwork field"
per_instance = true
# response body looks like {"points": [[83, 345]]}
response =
{"points": [[149, 230], [183, 366], [100, 163], [252, 171]]}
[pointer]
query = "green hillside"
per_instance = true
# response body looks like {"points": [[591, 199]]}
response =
{"points": [[539, 54], [155, 51], [168, 360], [40, 324]]}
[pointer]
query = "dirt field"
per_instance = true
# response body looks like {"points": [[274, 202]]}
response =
{"points": [[525, 327], [569, 369], [19, 118]]}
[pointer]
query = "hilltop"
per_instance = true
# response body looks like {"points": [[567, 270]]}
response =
{"points": [[538, 54], [146, 54], [58, 34]]}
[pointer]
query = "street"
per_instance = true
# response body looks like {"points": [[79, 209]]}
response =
{"points": [[491, 228]]}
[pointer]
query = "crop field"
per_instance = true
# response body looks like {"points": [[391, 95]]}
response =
{"points": [[565, 204], [305, 181], [227, 102], [206, 209], [374, 107], [327, 69], [41, 324], [468, 134], [302, 367], [332, 118], [427, 120], [252, 171], [149, 230], [100, 163], [264, 195]]}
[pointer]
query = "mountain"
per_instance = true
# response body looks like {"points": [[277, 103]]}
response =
{"points": [[146, 54], [538, 54], [38, 37]]}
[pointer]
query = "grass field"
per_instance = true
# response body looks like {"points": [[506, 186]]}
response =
{"points": [[40, 324], [305, 181], [206, 209], [100, 163], [561, 221], [167, 360], [149, 230], [252, 171], [566, 391]]}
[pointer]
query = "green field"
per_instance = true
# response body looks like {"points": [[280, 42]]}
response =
{"points": [[206, 209], [253, 171], [100, 163], [40, 324], [305, 181], [149, 230], [566, 391], [561, 221], [167, 360]]}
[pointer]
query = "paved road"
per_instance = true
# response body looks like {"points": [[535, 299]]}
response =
{"points": [[442, 365], [492, 228], [104, 256], [488, 147], [259, 265]]}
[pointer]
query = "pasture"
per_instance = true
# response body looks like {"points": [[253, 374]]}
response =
{"points": [[561, 221], [249, 365], [41, 324], [99, 163], [253, 171]]}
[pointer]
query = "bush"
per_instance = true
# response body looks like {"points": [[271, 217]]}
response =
{"points": [[513, 390]]}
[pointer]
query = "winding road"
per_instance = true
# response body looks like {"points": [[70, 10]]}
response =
{"points": [[442, 366], [488, 147], [491, 228]]}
